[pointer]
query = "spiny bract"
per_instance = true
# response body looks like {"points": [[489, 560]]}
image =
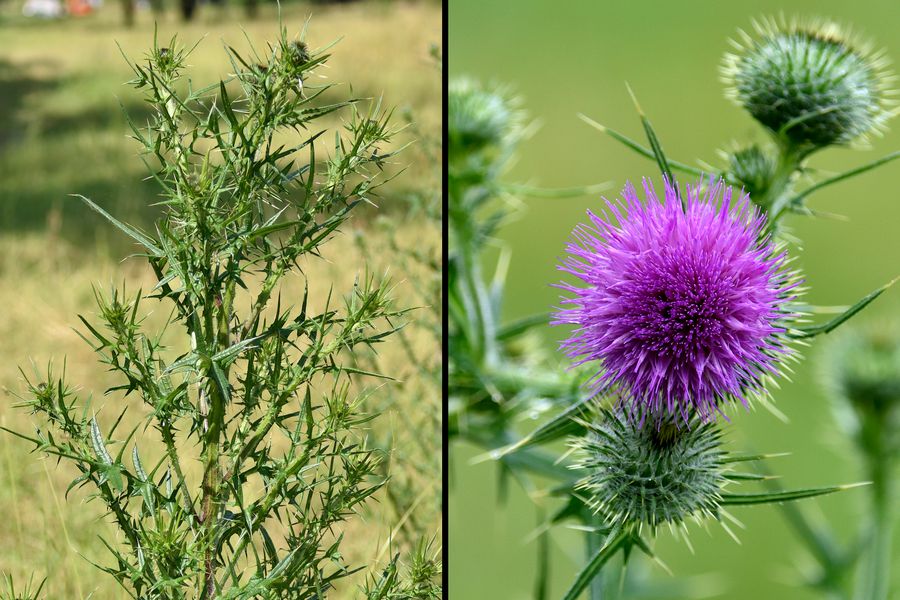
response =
{"points": [[648, 475], [808, 83], [684, 308]]}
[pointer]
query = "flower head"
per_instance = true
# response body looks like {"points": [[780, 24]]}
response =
{"points": [[808, 83], [684, 309], [647, 476]]}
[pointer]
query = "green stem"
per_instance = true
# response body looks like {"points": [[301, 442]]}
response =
{"points": [[777, 197], [878, 567], [472, 283], [594, 541]]}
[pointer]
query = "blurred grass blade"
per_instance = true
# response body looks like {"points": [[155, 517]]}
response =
{"points": [[814, 330], [784, 496], [602, 556]]}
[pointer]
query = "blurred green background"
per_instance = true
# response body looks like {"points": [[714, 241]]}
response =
{"points": [[565, 58]]}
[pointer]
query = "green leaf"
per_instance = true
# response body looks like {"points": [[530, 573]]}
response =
{"points": [[751, 457], [114, 476], [230, 353], [133, 233], [814, 330], [602, 556], [842, 176], [784, 496], [658, 153], [97, 441], [565, 423], [221, 382], [571, 192], [138, 467], [643, 151], [520, 326]]}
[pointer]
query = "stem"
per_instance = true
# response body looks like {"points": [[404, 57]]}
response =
{"points": [[877, 572], [777, 198], [594, 541], [470, 277]]}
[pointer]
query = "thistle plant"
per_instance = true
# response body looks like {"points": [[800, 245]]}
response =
{"points": [[250, 452], [683, 310]]}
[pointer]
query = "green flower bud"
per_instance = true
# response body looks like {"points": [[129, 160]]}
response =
{"points": [[477, 118], [808, 84], [753, 169], [299, 53], [648, 475], [861, 370]]}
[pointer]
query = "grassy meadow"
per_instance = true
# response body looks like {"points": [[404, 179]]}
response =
{"points": [[62, 131]]}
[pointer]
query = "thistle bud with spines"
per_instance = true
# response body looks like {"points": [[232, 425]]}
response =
{"points": [[650, 475], [810, 83], [861, 370]]}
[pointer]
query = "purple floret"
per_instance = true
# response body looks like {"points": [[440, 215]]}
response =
{"points": [[683, 309]]}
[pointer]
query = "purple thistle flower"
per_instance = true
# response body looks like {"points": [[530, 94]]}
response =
{"points": [[682, 308]]}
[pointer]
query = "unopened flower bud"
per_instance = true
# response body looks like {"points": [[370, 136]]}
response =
{"points": [[753, 169], [650, 475], [808, 84]]}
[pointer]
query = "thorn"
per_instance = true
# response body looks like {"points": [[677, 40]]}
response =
{"points": [[592, 122], [634, 99]]}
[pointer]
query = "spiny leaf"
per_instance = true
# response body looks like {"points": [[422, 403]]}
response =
{"points": [[783, 496], [565, 423], [841, 176], [814, 330], [643, 151], [99, 446], [230, 353], [751, 457], [141, 238], [602, 556], [658, 153], [520, 326]]}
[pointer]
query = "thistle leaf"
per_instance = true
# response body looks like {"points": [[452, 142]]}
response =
{"points": [[97, 441], [784, 496], [133, 233], [814, 330], [565, 423], [796, 200], [583, 579]]}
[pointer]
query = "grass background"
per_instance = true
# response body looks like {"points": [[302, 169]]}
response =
{"points": [[575, 57], [62, 131]]}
